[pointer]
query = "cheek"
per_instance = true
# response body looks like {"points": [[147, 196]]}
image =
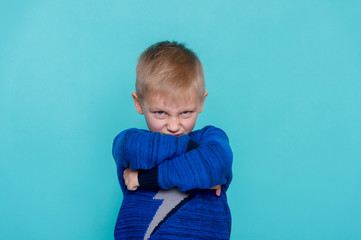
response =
{"points": [[189, 124], [154, 125]]}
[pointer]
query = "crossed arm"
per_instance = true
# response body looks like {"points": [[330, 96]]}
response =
{"points": [[131, 181], [203, 161]]}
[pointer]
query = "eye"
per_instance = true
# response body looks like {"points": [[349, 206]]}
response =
{"points": [[186, 113], [160, 114]]}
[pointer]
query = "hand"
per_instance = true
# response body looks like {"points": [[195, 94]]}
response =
{"points": [[131, 179], [218, 189]]}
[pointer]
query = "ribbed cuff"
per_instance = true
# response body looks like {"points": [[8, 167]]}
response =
{"points": [[192, 145], [148, 179]]}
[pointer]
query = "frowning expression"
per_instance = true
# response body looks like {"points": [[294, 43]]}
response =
{"points": [[170, 117]]}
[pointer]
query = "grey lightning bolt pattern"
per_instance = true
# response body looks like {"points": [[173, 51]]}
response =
{"points": [[171, 198]]}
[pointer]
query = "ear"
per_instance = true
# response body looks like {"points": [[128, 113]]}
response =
{"points": [[137, 103], [202, 103]]}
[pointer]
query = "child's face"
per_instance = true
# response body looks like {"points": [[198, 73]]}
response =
{"points": [[174, 118]]}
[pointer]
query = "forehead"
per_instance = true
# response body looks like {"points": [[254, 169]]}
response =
{"points": [[186, 101]]}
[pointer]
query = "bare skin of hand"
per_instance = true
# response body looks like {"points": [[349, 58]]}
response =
{"points": [[218, 189], [131, 179]]}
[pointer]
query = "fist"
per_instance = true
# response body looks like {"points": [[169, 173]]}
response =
{"points": [[131, 179]]}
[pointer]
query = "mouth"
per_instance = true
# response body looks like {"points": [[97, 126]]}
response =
{"points": [[177, 135]]}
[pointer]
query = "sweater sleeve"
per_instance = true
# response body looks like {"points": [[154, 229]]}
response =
{"points": [[148, 179], [142, 150], [203, 167]]}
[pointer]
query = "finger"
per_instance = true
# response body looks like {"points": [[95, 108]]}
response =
{"points": [[218, 192], [125, 173], [132, 188]]}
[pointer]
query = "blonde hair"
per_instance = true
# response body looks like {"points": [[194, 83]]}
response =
{"points": [[170, 70]]}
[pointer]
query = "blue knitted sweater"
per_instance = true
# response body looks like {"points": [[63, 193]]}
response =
{"points": [[174, 200]]}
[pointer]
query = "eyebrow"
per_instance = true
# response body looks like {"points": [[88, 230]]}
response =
{"points": [[187, 109]]}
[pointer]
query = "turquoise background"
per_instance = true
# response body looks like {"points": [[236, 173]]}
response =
{"points": [[284, 81]]}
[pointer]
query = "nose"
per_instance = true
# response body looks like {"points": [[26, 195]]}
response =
{"points": [[173, 125]]}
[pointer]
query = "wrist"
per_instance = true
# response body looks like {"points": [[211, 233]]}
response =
{"points": [[148, 179], [192, 145]]}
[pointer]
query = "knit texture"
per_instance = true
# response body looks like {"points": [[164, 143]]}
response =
{"points": [[185, 168]]}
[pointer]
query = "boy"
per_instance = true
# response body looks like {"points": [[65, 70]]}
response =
{"points": [[167, 173]]}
